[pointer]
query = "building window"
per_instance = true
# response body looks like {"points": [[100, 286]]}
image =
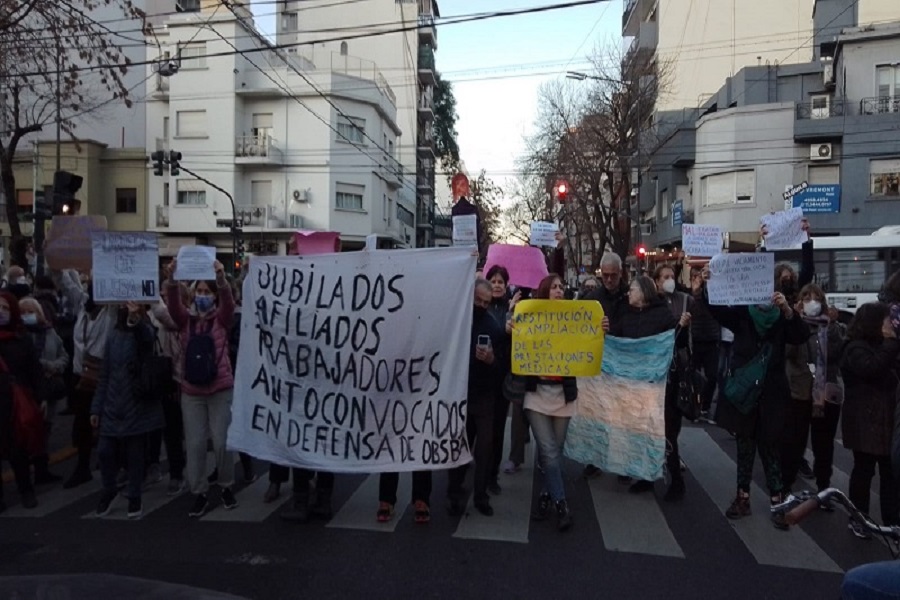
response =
{"points": [[126, 200], [165, 194], [193, 56], [289, 21], [823, 175], [344, 48], [735, 187], [888, 81], [885, 175], [262, 126], [351, 129], [664, 203], [820, 107], [190, 123], [191, 193], [349, 197]]}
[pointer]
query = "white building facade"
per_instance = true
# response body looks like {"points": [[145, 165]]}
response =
{"points": [[298, 145]]}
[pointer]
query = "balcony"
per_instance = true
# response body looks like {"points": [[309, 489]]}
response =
{"points": [[635, 11], [426, 105], [425, 216], [162, 216], [362, 68], [426, 66], [881, 105], [392, 172], [257, 150], [425, 143], [425, 180], [821, 120], [427, 30], [262, 218]]}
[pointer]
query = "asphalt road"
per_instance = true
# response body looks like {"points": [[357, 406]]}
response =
{"points": [[622, 546]]}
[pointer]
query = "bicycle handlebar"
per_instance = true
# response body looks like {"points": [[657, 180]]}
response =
{"points": [[799, 513]]}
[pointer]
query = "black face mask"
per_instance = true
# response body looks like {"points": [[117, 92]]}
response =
{"points": [[19, 290], [479, 312]]}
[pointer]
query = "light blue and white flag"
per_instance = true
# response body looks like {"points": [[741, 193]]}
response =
{"points": [[619, 425]]}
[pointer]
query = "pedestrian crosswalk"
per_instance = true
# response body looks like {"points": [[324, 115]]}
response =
{"points": [[628, 523]]}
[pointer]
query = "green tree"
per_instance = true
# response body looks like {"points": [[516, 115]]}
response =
{"points": [[486, 197], [445, 127]]}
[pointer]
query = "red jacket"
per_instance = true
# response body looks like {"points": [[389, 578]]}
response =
{"points": [[223, 316]]}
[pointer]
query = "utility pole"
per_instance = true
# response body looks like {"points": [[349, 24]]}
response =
{"points": [[58, 103]]}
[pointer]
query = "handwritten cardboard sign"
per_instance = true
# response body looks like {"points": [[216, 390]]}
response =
{"points": [[741, 279], [558, 338], [544, 234], [465, 230], [125, 267], [784, 229], [525, 264], [325, 377], [68, 244], [701, 240], [196, 263]]}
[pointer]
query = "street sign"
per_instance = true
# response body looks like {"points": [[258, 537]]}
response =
{"points": [[817, 199], [677, 213]]}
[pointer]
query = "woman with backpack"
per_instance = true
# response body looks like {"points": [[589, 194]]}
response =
{"points": [[208, 383]]}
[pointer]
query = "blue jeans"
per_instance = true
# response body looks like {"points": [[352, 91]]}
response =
{"points": [[133, 449], [550, 433], [876, 581]]}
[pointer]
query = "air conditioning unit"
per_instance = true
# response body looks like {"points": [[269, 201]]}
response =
{"points": [[828, 76], [296, 221], [301, 195], [820, 152]]}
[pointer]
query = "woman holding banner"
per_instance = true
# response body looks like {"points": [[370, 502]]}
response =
{"points": [[549, 405], [755, 413], [208, 381]]}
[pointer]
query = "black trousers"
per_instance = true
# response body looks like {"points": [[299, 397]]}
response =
{"points": [[705, 359], [421, 487], [479, 433], [302, 477], [799, 427], [173, 436], [501, 410], [861, 482], [673, 421]]}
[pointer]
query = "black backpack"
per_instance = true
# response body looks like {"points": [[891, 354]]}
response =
{"points": [[201, 365]]}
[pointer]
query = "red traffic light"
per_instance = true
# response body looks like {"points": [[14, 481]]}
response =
{"points": [[642, 251], [561, 189]]}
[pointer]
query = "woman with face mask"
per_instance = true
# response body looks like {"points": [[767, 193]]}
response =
{"points": [[22, 362], [207, 381], [54, 359], [815, 410]]}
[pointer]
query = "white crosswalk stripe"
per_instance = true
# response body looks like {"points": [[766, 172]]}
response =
{"points": [[627, 523]]}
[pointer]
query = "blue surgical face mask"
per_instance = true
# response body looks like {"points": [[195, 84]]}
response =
{"points": [[204, 303], [30, 319]]}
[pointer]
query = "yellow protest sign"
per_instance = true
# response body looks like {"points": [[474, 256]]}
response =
{"points": [[557, 338]]}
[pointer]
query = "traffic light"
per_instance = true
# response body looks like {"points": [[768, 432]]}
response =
{"points": [[174, 167], [641, 251], [561, 189], [65, 185], [158, 158]]}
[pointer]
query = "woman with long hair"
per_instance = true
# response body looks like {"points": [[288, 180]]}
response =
{"points": [[549, 405]]}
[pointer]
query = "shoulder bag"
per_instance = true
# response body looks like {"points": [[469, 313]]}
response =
{"points": [[743, 386]]}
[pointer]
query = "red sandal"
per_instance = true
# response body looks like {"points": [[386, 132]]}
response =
{"points": [[385, 512], [422, 513]]}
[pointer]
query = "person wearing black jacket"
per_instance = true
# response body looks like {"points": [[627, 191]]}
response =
{"points": [[706, 335], [484, 369], [613, 293], [761, 429], [648, 313]]}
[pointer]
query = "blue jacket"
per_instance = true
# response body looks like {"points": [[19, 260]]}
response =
{"points": [[121, 409]]}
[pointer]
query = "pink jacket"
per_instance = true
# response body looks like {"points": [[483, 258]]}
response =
{"points": [[224, 317]]}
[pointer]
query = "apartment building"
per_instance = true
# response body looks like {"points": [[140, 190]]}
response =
{"points": [[830, 123], [330, 33], [296, 144]]}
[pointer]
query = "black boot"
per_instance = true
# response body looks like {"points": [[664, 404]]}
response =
{"points": [[563, 516], [42, 474], [299, 510], [321, 508], [542, 511]]}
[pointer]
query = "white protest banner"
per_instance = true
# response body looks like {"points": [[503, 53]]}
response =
{"points": [[348, 363], [701, 240], [125, 267], [741, 279], [195, 263], [465, 230], [544, 234], [784, 229]]}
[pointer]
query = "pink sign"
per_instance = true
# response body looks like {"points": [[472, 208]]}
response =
{"points": [[308, 243], [525, 264]]}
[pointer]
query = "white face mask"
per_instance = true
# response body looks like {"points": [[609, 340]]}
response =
{"points": [[812, 308], [668, 286]]}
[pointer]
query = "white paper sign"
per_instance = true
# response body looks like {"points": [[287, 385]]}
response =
{"points": [[344, 367], [701, 240], [195, 263], [125, 267], [544, 234], [372, 242], [465, 230], [741, 279], [784, 229]]}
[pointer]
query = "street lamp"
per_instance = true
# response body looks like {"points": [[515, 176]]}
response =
{"points": [[579, 76]]}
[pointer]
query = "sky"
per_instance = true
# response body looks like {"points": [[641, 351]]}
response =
{"points": [[497, 66]]}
